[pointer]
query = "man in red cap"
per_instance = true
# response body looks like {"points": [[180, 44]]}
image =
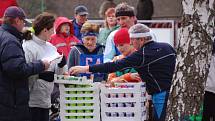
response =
{"points": [[14, 71]]}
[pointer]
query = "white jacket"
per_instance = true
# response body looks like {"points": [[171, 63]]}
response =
{"points": [[110, 50], [210, 83], [40, 90]]}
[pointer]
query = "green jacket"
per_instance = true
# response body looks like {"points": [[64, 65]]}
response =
{"points": [[104, 33]]}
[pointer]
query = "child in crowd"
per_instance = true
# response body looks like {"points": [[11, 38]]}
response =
{"points": [[122, 42], [64, 38]]}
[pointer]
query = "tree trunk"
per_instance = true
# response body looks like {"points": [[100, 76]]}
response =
{"points": [[193, 57]]}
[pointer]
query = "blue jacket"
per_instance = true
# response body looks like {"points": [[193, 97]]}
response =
{"points": [[77, 29], [155, 63], [14, 73]]}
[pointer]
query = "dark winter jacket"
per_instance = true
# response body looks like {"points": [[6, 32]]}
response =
{"points": [[14, 73], [155, 63], [77, 29]]}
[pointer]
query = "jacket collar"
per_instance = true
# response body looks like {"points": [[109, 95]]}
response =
{"points": [[76, 24], [12, 30], [86, 51], [151, 41], [38, 40]]}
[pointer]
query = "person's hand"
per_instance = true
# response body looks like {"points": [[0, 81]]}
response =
{"points": [[66, 73], [46, 64], [135, 76], [78, 69]]}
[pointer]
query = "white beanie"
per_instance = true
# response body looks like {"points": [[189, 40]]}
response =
{"points": [[141, 30]]}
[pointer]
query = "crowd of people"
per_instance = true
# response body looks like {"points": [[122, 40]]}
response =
{"points": [[123, 51], [27, 66]]}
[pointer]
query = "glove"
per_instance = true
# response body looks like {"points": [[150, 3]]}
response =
{"points": [[47, 76], [63, 62]]}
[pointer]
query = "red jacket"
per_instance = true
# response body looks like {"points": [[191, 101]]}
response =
{"points": [[61, 41], [4, 4]]}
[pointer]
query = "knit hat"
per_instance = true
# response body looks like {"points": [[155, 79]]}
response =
{"points": [[121, 37], [14, 11]]}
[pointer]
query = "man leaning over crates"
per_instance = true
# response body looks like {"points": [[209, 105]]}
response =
{"points": [[154, 61]]}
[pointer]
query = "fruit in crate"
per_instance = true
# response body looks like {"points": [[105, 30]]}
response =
{"points": [[73, 98], [80, 98], [80, 111], [80, 104], [89, 111], [88, 104], [67, 77], [71, 78], [88, 98], [88, 117], [88, 92], [80, 117]]}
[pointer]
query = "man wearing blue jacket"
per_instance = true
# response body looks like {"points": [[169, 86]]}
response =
{"points": [[155, 63], [81, 13], [14, 71]]}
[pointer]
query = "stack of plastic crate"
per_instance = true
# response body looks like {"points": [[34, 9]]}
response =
{"points": [[79, 99], [124, 102]]}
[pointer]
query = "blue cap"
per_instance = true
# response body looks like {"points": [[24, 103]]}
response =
{"points": [[14, 11]]}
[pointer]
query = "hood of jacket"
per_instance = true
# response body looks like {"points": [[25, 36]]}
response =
{"points": [[61, 20]]}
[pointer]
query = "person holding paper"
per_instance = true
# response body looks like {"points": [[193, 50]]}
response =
{"points": [[41, 85]]}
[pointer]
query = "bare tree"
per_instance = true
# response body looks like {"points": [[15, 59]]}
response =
{"points": [[193, 57]]}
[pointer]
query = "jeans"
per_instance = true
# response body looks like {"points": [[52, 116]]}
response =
{"points": [[159, 101]]}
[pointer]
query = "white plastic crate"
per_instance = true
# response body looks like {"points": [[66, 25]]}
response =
{"points": [[79, 99], [123, 103]]}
